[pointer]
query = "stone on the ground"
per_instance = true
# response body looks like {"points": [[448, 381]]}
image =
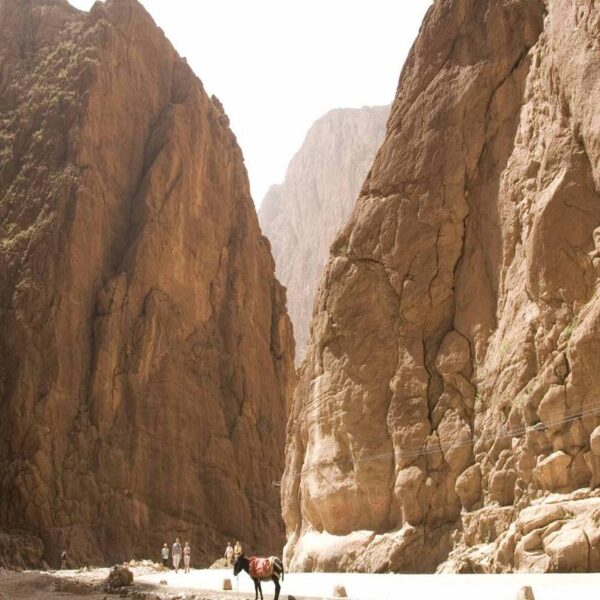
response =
{"points": [[227, 584], [525, 593], [220, 563], [118, 577], [339, 591]]}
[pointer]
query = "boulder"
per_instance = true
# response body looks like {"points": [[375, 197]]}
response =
{"points": [[568, 549], [220, 563], [119, 576], [468, 486], [551, 473], [553, 407], [595, 441]]}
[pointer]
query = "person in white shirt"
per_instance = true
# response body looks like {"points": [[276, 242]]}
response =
{"points": [[176, 552], [229, 553]]}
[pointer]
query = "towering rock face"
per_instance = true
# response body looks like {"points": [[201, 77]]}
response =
{"points": [[452, 380], [302, 216], [145, 352]]}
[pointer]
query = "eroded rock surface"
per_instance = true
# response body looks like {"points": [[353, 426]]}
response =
{"points": [[452, 378], [302, 216], [146, 357]]}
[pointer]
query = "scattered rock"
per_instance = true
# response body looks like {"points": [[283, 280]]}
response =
{"points": [[525, 593], [339, 591], [227, 584]]}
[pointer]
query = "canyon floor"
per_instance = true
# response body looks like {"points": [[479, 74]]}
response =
{"points": [[203, 584]]}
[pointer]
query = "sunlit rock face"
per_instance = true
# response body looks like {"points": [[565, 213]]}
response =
{"points": [[146, 358], [302, 216], [456, 333]]}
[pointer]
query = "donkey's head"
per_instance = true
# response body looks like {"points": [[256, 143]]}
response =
{"points": [[241, 563]]}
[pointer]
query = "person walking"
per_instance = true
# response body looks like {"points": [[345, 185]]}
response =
{"points": [[229, 554], [176, 552], [187, 550], [164, 552], [238, 550], [63, 560]]}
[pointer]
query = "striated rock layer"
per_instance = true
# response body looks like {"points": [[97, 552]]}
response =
{"points": [[145, 352], [450, 396], [303, 215]]}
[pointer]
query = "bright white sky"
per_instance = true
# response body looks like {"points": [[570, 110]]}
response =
{"points": [[278, 65]]}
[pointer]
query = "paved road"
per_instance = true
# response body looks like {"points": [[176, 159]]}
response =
{"points": [[395, 587]]}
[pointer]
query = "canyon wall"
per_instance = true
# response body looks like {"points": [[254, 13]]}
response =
{"points": [[447, 413], [302, 216], [146, 357]]}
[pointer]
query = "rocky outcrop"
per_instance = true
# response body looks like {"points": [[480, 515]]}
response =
{"points": [[452, 379], [302, 216], [146, 356]]}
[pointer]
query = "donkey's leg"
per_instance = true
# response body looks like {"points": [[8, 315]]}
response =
{"points": [[255, 588], [277, 586], [260, 589]]}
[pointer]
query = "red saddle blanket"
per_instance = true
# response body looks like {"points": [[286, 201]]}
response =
{"points": [[261, 568]]}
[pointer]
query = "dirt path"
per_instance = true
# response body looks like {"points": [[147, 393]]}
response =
{"points": [[36, 585]]}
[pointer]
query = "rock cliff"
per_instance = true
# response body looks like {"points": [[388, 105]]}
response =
{"points": [[448, 409], [302, 216], [146, 357]]}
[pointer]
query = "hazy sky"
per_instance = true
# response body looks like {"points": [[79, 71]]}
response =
{"points": [[278, 65]]}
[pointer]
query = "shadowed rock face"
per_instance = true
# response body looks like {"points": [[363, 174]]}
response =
{"points": [[146, 358], [457, 324], [302, 216]]}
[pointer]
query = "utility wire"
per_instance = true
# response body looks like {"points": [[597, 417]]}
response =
{"points": [[591, 409]]}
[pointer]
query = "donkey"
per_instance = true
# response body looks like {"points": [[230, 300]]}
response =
{"points": [[261, 568]]}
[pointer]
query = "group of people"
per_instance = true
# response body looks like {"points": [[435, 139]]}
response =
{"points": [[177, 552], [232, 553]]}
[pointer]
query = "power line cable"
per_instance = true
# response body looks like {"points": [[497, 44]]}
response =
{"points": [[592, 409]]}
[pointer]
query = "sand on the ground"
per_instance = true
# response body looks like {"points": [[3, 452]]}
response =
{"points": [[361, 586], [206, 584]]}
